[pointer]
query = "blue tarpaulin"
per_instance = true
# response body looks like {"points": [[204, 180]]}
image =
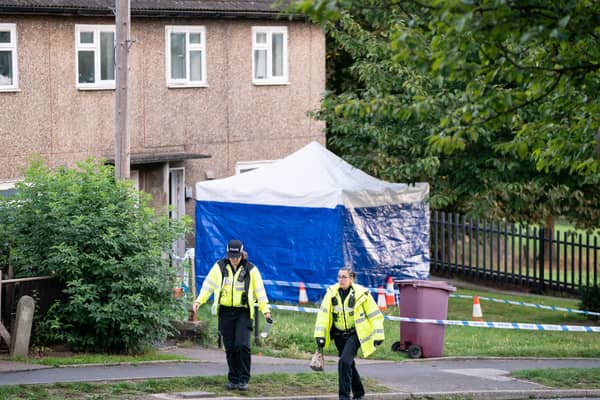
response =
{"points": [[307, 215]]}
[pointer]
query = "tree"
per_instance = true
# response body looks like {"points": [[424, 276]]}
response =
{"points": [[104, 242], [493, 102]]}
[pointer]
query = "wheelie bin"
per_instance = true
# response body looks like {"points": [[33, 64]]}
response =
{"points": [[422, 300]]}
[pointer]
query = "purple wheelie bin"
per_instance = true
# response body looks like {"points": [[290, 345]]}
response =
{"points": [[424, 300]]}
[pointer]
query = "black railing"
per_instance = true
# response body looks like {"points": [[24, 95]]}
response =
{"points": [[513, 254]]}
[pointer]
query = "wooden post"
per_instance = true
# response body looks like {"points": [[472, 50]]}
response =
{"points": [[123, 41], [3, 332]]}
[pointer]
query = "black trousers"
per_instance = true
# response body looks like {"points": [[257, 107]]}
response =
{"points": [[235, 326], [348, 377]]}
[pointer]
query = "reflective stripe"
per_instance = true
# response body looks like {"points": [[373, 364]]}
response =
{"points": [[319, 328], [378, 331], [324, 309], [360, 320], [210, 282], [262, 299], [260, 292], [337, 309], [366, 339], [374, 314]]}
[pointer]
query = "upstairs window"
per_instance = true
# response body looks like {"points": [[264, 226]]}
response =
{"points": [[186, 56], [8, 57], [269, 55], [95, 46]]}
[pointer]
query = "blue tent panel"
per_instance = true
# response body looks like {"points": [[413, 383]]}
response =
{"points": [[293, 244], [307, 244]]}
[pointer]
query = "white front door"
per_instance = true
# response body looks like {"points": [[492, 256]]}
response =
{"points": [[177, 203]]}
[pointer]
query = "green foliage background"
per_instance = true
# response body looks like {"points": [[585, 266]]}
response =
{"points": [[104, 242], [494, 103]]}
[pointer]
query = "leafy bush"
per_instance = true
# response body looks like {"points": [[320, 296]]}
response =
{"points": [[109, 247], [590, 300]]}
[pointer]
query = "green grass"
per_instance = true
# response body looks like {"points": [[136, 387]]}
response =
{"points": [[292, 333], [564, 378], [84, 358], [260, 385]]}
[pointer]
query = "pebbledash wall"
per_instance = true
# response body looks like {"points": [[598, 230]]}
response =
{"points": [[231, 119]]}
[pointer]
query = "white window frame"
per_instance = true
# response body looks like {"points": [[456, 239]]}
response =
{"points": [[12, 47], [187, 29], [269, 31], [99, 84], [7, 185]]}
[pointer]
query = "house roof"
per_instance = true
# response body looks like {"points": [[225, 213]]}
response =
{"points": [[149, 8]]}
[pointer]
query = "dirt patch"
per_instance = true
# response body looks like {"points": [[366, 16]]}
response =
{"points": [[57, 351]]}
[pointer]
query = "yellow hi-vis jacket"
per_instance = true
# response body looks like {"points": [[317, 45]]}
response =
{"points": [[228, 290], [365, 317]]}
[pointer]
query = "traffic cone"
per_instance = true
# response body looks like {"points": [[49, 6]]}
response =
{"points": [[390, 299], [477, 314], [381, 303], [302, 296]]}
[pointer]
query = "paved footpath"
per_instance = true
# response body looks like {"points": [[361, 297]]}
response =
{"points": [[434, 378]]}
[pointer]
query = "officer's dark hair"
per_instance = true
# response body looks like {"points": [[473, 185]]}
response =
{"points": [[348, 270]]}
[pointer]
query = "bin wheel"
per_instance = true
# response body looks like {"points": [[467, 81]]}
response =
{"points": [[415, 351], [396, 346]]}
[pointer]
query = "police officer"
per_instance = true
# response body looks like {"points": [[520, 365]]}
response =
{"points": [[237, 285], [350, 316]]}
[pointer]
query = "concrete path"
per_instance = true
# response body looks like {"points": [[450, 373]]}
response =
{"points": [[443, 378]]}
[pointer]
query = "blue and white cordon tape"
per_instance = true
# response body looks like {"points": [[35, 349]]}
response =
{"points": [[476, 324], [521, 303], [461, 296]]}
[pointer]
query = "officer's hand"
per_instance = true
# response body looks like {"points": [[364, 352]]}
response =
{"points": [[377, 343], [320, 342], [269, 320], [196, 307]]}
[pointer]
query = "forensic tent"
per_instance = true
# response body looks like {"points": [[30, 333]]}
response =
{"points": [[303, 217]]}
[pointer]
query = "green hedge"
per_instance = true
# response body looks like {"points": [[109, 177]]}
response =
{"points": [[109, 247]]}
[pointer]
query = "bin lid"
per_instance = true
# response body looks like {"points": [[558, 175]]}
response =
{"points": [[425, 284]]}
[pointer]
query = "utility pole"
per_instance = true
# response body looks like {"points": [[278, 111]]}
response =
{"points": [[123, 41]]}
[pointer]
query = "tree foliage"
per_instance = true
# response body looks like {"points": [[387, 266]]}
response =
{"points": [[494, 102], [108, 247]]}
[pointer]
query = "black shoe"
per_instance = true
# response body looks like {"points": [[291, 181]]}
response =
{"points": [[232, 386], [243, 386]]}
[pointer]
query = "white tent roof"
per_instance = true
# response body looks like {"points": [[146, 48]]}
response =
{"points": [[311, 177]]}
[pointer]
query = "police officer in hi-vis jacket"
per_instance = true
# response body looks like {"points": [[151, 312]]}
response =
{"points": [[350, 316], [237, 285]]}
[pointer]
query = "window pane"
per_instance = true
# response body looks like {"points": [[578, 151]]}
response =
{"points": [[5, 37], [277, 54], [195, 65], [86, 37], [196, 38], [85, 61], [178, 55], [260, 64], [107, 56], [6, 73], [261, 37]]}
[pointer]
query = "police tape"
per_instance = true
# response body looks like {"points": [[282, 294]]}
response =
{"points": [[474, 324], [524, 304], [461, 296]]}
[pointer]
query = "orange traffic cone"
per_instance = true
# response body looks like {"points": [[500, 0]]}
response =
{"points": [[302, 296], [477, 314], [390, 299], [381, 303]]}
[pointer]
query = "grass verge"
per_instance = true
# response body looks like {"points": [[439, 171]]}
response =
{"points": [[564, 378], [261, 385]]}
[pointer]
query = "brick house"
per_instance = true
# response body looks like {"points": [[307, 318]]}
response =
{"points": [[216, 87]]}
